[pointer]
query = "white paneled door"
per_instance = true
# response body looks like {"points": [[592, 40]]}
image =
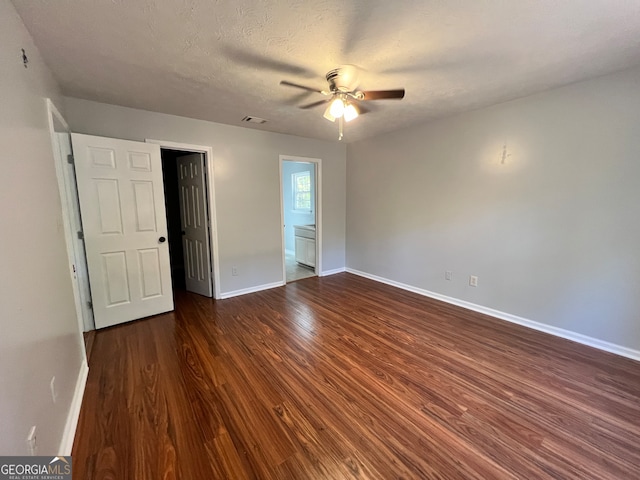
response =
{"points": [[195, 224], [125, 228]]}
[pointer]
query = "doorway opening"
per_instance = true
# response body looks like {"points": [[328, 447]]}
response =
{"points": [[299, 182], [188, 220]]}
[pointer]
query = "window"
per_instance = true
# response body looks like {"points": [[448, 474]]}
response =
{"points": [[302, 191]]}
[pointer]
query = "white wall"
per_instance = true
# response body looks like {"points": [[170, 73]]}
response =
{"points": [[292, 217], [247, 187], [553, 232], [39, 330]]}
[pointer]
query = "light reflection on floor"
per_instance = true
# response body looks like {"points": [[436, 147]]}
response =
{"points": [[305, 321]]}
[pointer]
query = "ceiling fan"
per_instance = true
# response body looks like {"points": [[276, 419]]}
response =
{"points": [[343, 96]]}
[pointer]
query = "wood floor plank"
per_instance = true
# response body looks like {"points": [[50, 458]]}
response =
{"points": [[342, 377]]}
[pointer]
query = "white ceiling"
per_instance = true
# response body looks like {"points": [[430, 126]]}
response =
{"points": [[221, 60]]}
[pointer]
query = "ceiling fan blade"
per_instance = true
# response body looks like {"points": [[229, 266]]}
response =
{"points": [[303, 87], [315, 104], [256, 60], [298, 98], [382, 94]]}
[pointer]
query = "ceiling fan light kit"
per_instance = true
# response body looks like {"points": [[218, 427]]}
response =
{"points": [[344, 96], [350, 112], [341, 108], [328, 116], [337, 108]]}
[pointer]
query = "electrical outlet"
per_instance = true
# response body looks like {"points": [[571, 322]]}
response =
{"points": [[32, 445], [234, 271], [473, 280], [54, 393], [448, 275]]}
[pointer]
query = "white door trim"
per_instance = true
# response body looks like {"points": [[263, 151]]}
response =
{"points": [[84, 324], [208, 158], [318, 210]]}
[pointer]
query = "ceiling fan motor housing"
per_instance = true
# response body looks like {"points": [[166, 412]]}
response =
{"points": [[343, 79]]}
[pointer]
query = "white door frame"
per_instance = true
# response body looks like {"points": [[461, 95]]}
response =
{"points": [[85, 320], [208, 160], [318, 210]]}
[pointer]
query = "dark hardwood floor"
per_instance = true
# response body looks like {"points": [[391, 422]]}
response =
{"points": [[89, 338], [342, 377]]}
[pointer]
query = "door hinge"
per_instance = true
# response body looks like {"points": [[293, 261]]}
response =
{"points": [[90, 305], [80, 234], [70, 159]]}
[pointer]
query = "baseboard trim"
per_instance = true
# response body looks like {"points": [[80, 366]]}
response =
{"points": [[541, 327], [69, 434], [244, 291], [326, 273]]}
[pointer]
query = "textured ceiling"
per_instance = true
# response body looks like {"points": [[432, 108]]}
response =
{"points": [[222, 60]]}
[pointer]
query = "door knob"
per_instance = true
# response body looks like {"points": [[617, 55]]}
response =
{"points": [[183, 232], [162, 239]]}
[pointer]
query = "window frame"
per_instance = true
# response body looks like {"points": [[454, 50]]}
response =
{"points": [[296, 192]]}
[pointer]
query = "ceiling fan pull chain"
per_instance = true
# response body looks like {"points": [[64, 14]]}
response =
{"points": [[340, 125]]}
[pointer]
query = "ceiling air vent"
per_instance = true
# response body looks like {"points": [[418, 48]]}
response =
{"points": [[257, 120]]}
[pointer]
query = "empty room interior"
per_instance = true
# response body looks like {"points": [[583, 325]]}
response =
{"points": [[309, 240]]}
